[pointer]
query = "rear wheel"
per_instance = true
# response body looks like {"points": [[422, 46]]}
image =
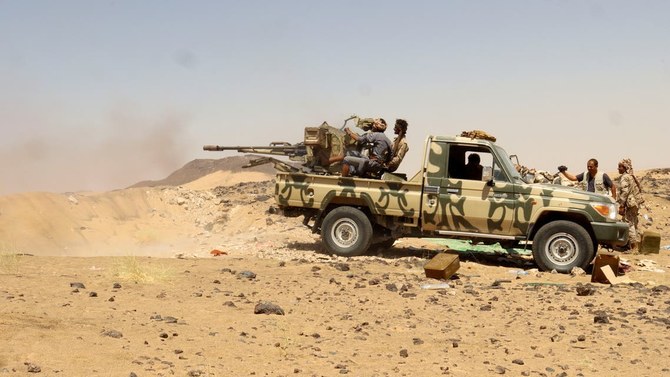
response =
{"points": [[346, 231], [561, 245]]}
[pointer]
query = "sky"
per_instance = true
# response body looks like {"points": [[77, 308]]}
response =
{"points": [[98, 95]]}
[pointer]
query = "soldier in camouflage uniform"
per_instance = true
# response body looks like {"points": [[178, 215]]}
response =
{"points": [[400, 147], [629, 198]]}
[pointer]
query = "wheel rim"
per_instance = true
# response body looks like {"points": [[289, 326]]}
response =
{"points": [[562, 249], [344, 233]]}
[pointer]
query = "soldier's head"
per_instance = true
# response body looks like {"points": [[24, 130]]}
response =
{"points": [[473, 159], [379, 125], [592, 166], [625, 166], [400, 127]]}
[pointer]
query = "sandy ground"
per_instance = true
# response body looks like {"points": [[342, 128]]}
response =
{"points": [[124, 283]]}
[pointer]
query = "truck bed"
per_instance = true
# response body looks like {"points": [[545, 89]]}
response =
{"points": [[382, 197]]}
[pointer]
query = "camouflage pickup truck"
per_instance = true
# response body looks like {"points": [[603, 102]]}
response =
{"points": [[564, 225]]}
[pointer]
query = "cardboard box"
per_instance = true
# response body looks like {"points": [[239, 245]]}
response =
{"points": [[442, 266], [651, 243], [602, 260]]}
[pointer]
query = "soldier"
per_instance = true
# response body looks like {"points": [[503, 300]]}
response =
{"points": [[378, 157], [400, 147], [473, 170], [629, 198], [592, 180]]}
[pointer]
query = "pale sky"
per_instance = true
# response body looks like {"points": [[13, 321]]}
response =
{"points": [[97, 95]]}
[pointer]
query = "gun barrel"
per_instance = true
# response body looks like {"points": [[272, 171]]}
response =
{"points": [[218, 148], [276, 149]]}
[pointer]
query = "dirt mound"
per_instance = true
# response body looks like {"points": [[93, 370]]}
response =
{"points": [[656, 182], [200, 168]]}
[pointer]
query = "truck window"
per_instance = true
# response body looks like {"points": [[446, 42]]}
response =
{"points": [[472, 162]]}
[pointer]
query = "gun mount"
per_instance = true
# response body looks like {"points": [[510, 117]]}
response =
{"points": [[311, 155]]}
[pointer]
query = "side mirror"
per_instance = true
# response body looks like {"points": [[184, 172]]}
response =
{"points": [[487, 174]]}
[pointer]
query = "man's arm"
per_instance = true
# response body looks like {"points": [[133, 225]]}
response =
{"points": [[610, 184], [576, 178], [351, 133]]}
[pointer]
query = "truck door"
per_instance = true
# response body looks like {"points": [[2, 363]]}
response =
{"points": [[473, 196]]}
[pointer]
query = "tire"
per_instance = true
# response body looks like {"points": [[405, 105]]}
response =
{"points": [[346, 232], [561, 245]]}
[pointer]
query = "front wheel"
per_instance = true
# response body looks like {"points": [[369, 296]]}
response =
{"points": [[346, 231], [561, 245]]}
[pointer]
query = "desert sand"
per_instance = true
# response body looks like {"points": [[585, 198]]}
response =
{"points": [[197, 275]]}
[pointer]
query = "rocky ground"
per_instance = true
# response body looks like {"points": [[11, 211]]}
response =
{"points": [[205, 279]]}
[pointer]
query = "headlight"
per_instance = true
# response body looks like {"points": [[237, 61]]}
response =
{"points": [[606, 209]]}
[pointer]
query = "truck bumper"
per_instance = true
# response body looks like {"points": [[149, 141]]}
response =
{"points": [[613, 234]]}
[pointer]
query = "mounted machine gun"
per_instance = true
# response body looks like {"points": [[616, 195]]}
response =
{"points": [[311, 155]]}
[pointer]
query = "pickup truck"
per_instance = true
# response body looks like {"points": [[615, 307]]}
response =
{"points": [[564, 225]]}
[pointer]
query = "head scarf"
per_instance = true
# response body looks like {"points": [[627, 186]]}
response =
{"points": [[627, 165]]}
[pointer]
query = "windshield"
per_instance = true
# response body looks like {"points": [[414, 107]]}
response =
{"points": [[506, 162]]}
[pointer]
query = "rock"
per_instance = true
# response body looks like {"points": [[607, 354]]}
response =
{"points": [[77, 285], [585, 290], [247, 275], [601, 317], [169, 319], [404, 353], [33, 368], [266, 307], [577, 271], [112, 334], [341, 266]]}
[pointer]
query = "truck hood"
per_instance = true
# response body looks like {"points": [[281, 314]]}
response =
{"points": [[564, 192]]}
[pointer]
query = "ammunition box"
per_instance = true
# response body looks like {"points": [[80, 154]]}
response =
{"points": [[651, 243], [316, 136], [442, 266]]}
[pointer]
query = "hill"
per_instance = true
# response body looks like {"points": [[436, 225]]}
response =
{"points": [[199, 168]]}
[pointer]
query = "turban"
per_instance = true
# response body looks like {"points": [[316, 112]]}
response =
{"points": [[627, 165]]}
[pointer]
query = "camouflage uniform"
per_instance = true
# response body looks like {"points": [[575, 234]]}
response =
{"points": [[400, 148], [629, 198]]}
